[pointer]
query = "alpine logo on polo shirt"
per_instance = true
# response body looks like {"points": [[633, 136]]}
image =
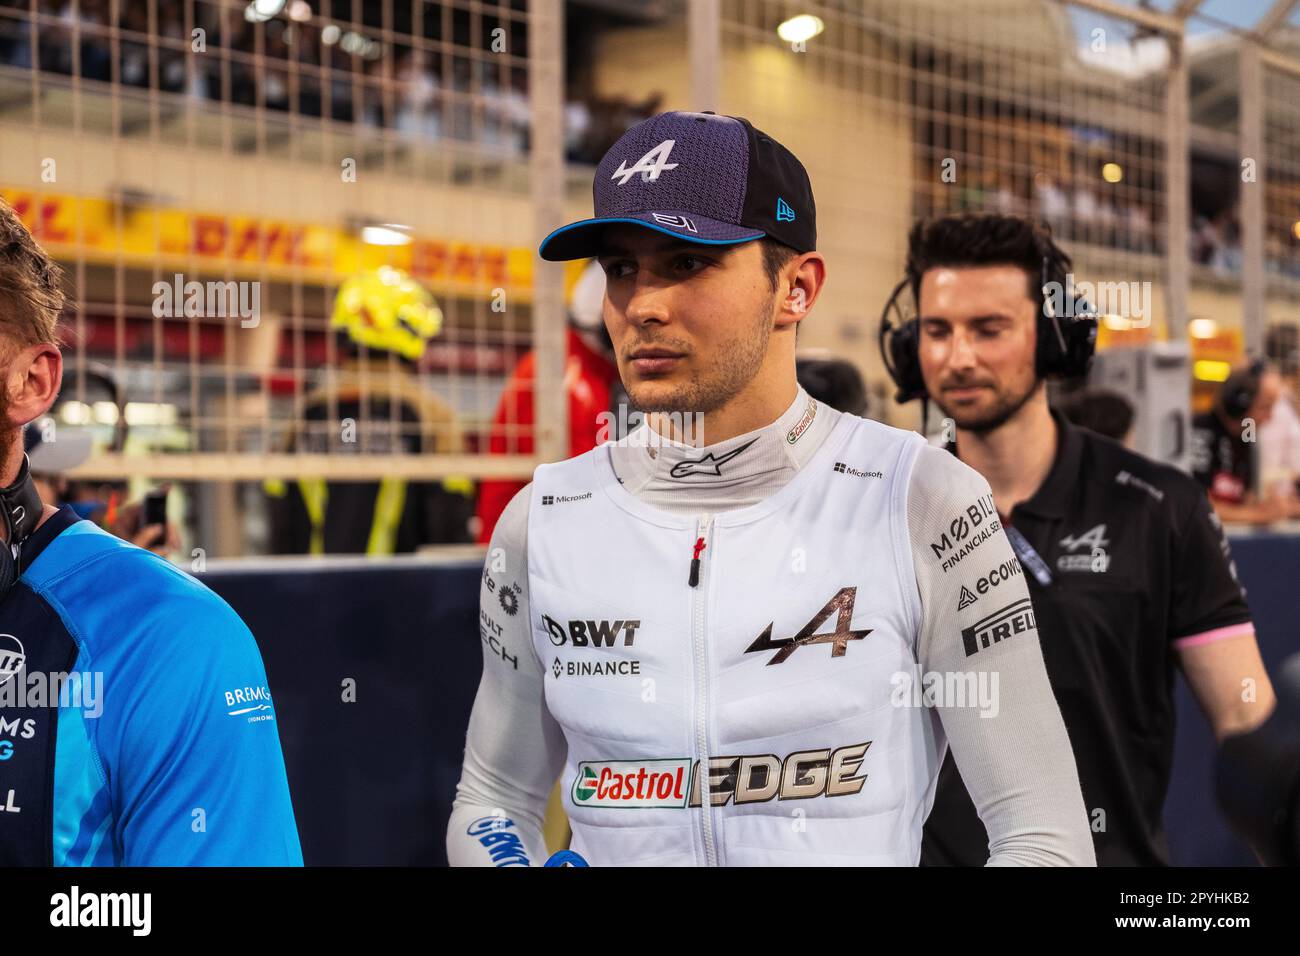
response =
{"points": [[1015, 618], [650, 166], [708, 465], [1094, 559]]}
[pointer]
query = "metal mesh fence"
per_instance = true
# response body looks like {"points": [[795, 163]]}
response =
{"points": [[211, 173]]}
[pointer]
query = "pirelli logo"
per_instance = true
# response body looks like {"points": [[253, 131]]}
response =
{"points": [[1015, 618]]}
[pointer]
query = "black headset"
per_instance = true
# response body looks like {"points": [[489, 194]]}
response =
{"points": [[1240, 388], [1061, 350], [20, 509]]}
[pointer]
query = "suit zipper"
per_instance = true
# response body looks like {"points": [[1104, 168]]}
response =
{"points": [[701, 690]]}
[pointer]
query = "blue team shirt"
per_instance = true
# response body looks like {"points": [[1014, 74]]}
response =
{"points": [[162, 749]]}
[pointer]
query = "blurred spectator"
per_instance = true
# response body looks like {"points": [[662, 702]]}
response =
{"points": [[1279, 438], [51, 453], [1103, 411], [577, 127], [834, 381], [1224, 442], [590, 374], [1050, 202], [419, 102]]}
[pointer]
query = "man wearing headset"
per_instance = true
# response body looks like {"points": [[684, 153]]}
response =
{"points": [[1224, 441], [1126, 564], [136, 727]]}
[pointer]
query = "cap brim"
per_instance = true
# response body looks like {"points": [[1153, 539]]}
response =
{"points": [[581, 240], [72, 448]]}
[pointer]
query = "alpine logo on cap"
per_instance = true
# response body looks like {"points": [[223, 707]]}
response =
{"points": [[650, 165], [783, 211]]}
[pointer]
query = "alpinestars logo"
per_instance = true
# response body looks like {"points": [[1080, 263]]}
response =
{"points": [[966, 599], [841, 605], [650, 166], [708, 465], [1015, 618]]}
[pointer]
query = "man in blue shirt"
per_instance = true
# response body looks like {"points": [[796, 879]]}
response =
{"points": [[136, 725]]}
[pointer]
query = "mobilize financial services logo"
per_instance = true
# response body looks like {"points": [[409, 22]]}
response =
{"points": [[753, 778], [966, 532]]}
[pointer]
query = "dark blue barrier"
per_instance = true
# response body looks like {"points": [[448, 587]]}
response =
{"points": [[373, 780], [1269, 566]]}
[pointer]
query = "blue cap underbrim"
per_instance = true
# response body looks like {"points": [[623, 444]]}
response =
{"points": [[581, 240]]}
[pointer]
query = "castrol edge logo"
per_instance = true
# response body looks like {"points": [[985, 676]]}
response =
{"points": [[755, 778], [632, 783]]}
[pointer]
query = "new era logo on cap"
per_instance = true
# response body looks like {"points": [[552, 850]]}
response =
{"points": [[701, 177]]}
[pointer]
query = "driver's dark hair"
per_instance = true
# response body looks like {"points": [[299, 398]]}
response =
{"points": [[775, 255], [985, 239]]}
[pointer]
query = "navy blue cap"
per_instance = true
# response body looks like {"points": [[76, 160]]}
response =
{"points": [[701, 177]]}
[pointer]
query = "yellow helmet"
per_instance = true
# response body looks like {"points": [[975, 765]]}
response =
{"points": [[387, 309]]}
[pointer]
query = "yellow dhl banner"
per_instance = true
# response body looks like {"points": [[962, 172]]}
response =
{"points": [[101, 230]]}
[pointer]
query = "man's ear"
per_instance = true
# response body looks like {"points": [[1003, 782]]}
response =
{"points": [[34, 378], [807, 275]]}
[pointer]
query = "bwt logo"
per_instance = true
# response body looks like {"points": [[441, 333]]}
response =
{"points": [[1015, 618], [590, 633]]}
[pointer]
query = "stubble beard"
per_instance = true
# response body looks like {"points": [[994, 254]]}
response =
{"points": [[987, 420], [733, 366]]}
